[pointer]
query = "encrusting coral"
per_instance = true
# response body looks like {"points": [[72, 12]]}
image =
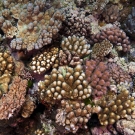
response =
{"points": [[97, 74], [14, 99], [43, 62], [100, 50], [74, 115], [115, 107], [115, 35], [64, 83], [76, 44]]}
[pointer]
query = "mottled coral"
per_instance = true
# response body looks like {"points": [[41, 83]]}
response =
{"points": [[97, 75], [28, 107], [100, 50], [64, 83], [115, 107], [43, 62], [115, 35], [14, 99], [76, 44], [129, 24], [126, 127], [74, 115]]}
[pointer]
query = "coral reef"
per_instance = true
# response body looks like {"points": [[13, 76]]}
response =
{"points": [[129, 24], [100, 50], [59, 85], [115, 35], [76, 44], [97, 75], [14, 99], [43, 62], [116, 107]]}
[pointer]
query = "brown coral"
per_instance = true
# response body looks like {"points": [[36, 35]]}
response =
{"points": [[43, 62], [115, 35], [68, 58], [74, 115], [97, 75], [76, 44], [115, 107], [28, 107], [14, 99], [100, 50], [65, 83]]}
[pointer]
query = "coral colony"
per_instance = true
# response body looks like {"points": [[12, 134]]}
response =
{"points": [[67, 67]]}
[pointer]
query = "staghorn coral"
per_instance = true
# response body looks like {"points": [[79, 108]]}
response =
{"points": [[64, 83], [118, 74], [76, 44], [115, 35], [43, 62], [6, 63], [126, 127], [100, 50], [28, 107], [74, 115], [97, 75], [68, 58], [111, 13], [14, 99], [115, 107], [129, 24]]}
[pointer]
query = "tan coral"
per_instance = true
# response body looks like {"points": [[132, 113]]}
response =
{"points": [[60, 85], [119, 106], [28, 107], [43, 62], [14, 99], [73, 115], [76, 44], [100, 50]]}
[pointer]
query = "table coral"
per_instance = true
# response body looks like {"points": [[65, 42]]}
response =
{"points": [[43, 62], [115, 35], [76, 44], [14, 99], [100, 50], [119, 106], [97, 75], [59, 85]]}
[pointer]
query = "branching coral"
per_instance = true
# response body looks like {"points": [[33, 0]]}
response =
{"points": [[74, 115], [100, 50], [115, 107], [6, 63], [43, 62], [76, 44], [111, 13], [115, 35], [98, 76], [65, 83], [34, 27], [68, 58], [14, 99]]}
